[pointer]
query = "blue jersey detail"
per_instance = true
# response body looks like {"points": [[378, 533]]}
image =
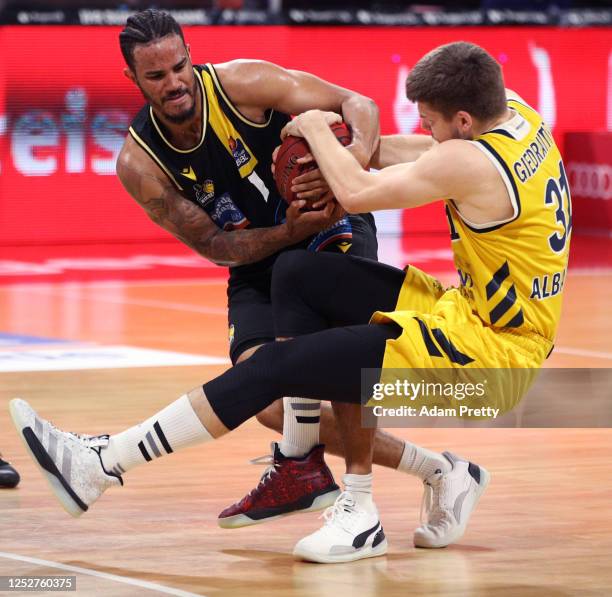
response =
{"points": [[342, 229], [225, 213]]}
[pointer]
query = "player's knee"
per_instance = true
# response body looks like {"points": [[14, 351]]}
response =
{"points": [[290, 267], [265, 367], [246, 354], [251, 386], [272, 417]]}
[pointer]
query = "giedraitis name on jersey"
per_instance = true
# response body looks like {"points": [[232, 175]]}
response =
{"points": [[527, 165]]}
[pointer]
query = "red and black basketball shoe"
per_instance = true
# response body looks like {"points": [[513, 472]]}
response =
{"points": [[289, 486]]}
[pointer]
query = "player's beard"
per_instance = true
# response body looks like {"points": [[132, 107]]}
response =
{"points": [[177, 117], [187, 114]]}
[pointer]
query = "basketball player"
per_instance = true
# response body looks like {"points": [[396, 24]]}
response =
{"points": [[9, 477], [198, 160], [501, 176]]}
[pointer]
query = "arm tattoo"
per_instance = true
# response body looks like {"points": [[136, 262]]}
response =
{"points": [[246, 246], [158, 210], [192, 225]]}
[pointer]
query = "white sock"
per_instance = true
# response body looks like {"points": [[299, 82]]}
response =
{"points": [[300, 426], [176, 426], [360, 487], [422, 462]]}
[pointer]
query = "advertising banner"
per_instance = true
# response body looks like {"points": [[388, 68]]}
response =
{"points": [[65, 105]]}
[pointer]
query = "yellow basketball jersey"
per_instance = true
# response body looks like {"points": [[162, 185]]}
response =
{"points": [[512, 272]]}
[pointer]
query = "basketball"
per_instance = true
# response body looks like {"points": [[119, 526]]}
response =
{"points": [[291, 150]]}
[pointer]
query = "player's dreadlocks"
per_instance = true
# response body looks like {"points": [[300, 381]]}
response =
{"points": [[143, 28]]}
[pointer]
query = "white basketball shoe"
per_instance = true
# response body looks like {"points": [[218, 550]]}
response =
{"points": [[349, 533], [71, 463], [449, 501]]}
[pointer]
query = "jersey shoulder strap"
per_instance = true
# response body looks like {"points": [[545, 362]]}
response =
{"points": [[225, 102]]}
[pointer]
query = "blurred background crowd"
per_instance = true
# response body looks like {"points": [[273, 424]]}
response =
{"points": [[277, 5]]}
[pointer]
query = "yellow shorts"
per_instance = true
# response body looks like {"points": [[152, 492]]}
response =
{"points": [[441, 331]]}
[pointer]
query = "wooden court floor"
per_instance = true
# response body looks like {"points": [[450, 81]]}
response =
{"points": [[543, 528]]}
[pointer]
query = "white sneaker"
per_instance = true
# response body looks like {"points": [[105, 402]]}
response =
{"points": [[449, 500], [349, 533], [70, 462]]}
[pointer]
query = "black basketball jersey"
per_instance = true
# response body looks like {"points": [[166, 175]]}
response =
{"points": [[228, 173]]}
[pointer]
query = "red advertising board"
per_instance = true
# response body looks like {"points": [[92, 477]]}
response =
{"points": [[65, 106], [588, 161]]}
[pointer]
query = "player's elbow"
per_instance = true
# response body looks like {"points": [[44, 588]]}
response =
{"points": [[221, 262], [374, 109], [363, 101], [353, 208], [213, 248], [351, 201], [218, 257]]}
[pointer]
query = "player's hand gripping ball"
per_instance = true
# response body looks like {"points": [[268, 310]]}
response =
{"points": [[292, 149]]}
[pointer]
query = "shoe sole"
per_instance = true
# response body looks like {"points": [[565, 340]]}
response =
{"points": [[485, 478], [242, 520], [60, 487], [361, 554]]}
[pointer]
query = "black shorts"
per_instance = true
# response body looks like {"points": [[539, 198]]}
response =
{"points": [[250, 316]]}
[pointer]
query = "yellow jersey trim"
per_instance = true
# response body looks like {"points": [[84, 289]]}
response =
{"points": [[223, 127], [142, 144], [524, 105], [229, 102], [512, 194], [204, 120]]}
